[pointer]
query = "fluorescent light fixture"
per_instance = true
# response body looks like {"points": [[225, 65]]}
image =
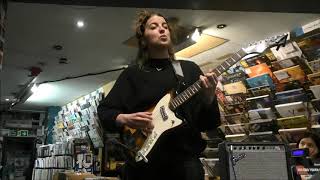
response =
{"points": [[80, 24], [34, 88], [196, 35], [43, 91], [25, 92]]}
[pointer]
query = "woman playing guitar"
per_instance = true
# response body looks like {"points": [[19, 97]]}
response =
{"points": [[141, 86]]}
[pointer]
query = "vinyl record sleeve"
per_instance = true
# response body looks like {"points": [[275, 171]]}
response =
{"points": [[262, 80], [292, 135], [261, 125], [259, 102], [314, 78], [315, 91], [263, 113], [291, 109], [290, 74], [235, 88], [292, 122]]}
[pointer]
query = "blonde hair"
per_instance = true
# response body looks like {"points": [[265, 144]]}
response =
{"points": [[139, 27]]}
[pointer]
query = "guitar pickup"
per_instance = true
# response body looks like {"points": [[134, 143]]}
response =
{"points": [[163, 113]]}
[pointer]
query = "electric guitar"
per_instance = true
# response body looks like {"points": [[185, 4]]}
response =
{"points": [[163, 113]]}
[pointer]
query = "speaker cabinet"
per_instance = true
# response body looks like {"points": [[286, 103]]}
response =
{"points": [[254, 161]]}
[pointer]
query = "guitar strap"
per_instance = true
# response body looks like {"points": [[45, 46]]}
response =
{"points": [[177, 70], [179, 75]]}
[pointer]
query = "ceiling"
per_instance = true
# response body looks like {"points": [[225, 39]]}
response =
{"points": [[32, 30], [292, 6]]}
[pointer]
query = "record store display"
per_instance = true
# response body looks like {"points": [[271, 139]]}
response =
{"points": [[280, 93]]}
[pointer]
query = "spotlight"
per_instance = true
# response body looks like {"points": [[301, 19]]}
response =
{"points": [[80, 24], [196, 35]]}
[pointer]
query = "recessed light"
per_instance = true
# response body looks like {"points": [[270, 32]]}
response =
{"points": [[57, 47], [80, 24], [63, 60], [221, 26]]}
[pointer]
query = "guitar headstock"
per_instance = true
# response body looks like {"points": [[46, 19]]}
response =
{"points": [[261, 46]]}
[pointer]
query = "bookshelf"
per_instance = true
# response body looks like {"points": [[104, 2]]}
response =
{"points": [[53, 158], [273, 96]]}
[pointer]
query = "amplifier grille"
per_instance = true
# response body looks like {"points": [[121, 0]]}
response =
{"points": [[257, 162]]}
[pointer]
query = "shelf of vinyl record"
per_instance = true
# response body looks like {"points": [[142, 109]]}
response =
{"points": [[79, 119], [274, 96], [53, 158]]}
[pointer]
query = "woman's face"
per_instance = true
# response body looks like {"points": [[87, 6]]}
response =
{"points": [[157, 32], [311, 145]]}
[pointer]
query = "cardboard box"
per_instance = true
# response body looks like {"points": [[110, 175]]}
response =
{"points": [[103, 178], [72, 176]]}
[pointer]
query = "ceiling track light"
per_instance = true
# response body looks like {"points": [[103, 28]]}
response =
{"points": [[196, 34]]}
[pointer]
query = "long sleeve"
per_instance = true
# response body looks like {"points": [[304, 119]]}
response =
{"points": [[208, 115], [204, 116], [137, 90], [113, 104]]}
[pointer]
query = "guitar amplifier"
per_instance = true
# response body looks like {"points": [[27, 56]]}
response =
{"points": [[254, 161]]}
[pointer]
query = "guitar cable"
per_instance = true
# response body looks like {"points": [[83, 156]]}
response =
{"points": [[122, 145]]}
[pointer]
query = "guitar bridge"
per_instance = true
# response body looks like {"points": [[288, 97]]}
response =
{"points": [[163, 113]]}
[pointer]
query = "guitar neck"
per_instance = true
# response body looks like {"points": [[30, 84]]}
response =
{"points": [[196, 87]]}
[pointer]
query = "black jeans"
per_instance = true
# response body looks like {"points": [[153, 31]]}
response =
{"points": [[187, 169]]}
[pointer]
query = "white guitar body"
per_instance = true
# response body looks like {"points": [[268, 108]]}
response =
{"points": [[163, 119]]}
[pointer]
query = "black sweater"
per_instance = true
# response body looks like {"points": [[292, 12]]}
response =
{"points": [[138, 89]]}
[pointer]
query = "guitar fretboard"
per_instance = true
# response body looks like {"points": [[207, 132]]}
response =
{"points": [[196, 87]]}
